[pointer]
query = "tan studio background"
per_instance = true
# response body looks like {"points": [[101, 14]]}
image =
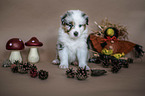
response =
{"points": [[41, 18]]}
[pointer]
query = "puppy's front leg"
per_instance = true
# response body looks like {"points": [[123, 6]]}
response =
{"points": [[63, 56], [82, 55]]}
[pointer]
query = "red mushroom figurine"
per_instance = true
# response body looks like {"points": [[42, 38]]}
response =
{"points": [[15, 44], [33, 56]]}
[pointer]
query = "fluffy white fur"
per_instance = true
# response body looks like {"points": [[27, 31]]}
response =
{"points": [[70, 47]]}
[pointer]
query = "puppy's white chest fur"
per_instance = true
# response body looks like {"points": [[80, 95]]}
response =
{"points": [[73, 46]]}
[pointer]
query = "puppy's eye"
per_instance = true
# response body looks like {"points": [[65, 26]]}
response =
{"points": [[80, 25], [70, 25]]}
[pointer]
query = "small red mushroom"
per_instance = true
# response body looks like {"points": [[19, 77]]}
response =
{"points": [[15, 44], [33, 56]]}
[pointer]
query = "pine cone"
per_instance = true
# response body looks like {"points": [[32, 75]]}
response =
{"points": [[95, 60], [70, 73], [125, 63], [27, 66], [14, 68], [33, 72], [116, 68], [105, 64], [43, 75], [22, 69], [81, 73], [97, 72]]}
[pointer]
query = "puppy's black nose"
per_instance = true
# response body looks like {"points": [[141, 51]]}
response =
{"points": [[76, 33]]}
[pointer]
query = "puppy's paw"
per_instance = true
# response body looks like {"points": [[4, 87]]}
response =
{"points": [[63, 66], [83, 66], [55, 62]]}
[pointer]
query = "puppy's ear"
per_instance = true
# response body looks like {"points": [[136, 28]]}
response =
{"points": [[69, 13], [63, 19], [86, 17], [87, 20]]}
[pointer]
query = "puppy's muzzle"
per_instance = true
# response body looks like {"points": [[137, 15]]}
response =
{"points": [[76, 33]]}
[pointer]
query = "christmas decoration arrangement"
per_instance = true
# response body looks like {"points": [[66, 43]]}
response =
{"points": [[25, 68], [15, 61], [109, 46]]}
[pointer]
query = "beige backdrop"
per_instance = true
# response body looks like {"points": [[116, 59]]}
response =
{"points": [[41, 18]]}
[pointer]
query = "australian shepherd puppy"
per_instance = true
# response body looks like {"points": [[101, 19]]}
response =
{"points": [[72, 38]]}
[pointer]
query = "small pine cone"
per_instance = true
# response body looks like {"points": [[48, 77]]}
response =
{"points": [[43, 74], [70, 73], [21, 69], [81, 73], [33, 66], [81, 77], [27, 66], [105, 64], [33, 72], [14, 68], [125, 64], [115, 69], [97, 72], [95, 60]]}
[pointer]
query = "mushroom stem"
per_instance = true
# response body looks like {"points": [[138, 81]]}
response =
{"points": [[33, 56], [15, 55]]}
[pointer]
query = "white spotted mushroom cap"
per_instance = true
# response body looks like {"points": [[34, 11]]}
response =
{"points": [[15, 44], [33, 42]]}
